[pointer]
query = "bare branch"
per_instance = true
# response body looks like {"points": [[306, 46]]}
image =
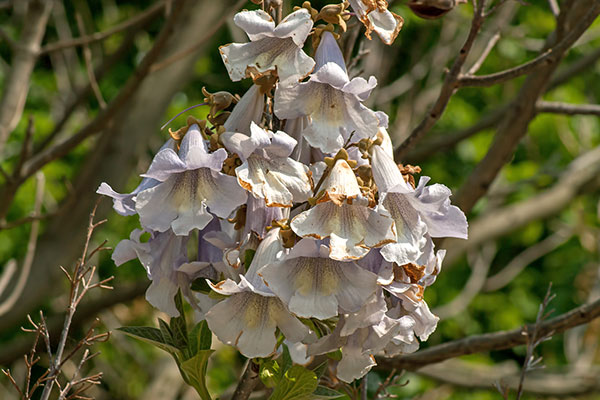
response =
{"points": [[550, 56], [534, 339], [247, 383], [193, 48], [480, 267], [87, 57], [25, 55], [581, 174], [514, 126], [556, 383], [484, 54], [449, 86], [16, 348], [575, 68], [79, 287], [489, 341], [106, 115], [554, 7], [449, 140], [81, 94], [141, 18], [522, 260], [568, 109], [31, 245]]}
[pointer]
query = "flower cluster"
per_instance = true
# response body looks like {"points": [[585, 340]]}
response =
{"points": [[287, 218]]}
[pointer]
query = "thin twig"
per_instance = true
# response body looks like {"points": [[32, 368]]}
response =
{"points": [[549, 56], [490, 341], [106, 116], [566, 108], [79, 287], [87, 57], [16, 82], [193, 48], [534, 339], [31, 245], [449, 86], [99, 36], [522, 260], [485, 53]]}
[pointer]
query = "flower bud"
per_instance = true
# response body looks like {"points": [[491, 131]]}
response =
{"points": [[433, 9]]}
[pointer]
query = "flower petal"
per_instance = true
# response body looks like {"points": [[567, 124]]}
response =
{"points": [[315, 287], [279, 181], [267, 54], [329, 51], [296, 25], [249, 109], [353, 229], [257, 23]]}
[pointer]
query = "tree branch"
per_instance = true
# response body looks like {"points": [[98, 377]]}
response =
{"points": [[449, 86], [582, 174], [25, 55], [490, 341], [247, 383], [141, 18], [550, 56], [17, 290], [106, 115], [523, 259], [547, 383], [15, 349], [522, 110], [568, 109]]}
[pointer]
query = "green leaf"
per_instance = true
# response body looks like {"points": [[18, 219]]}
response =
{"points": [[335, 355], [248, 257], [150, 335], [200, 285], [323, 392], [298, 383], [286, 359], [200, 338], [320, 369], [195, 370], [270, 373], [166, 332], [178, 325]]}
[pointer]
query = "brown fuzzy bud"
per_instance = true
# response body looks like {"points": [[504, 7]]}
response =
{"points": [[218, 101], [433, 9]]}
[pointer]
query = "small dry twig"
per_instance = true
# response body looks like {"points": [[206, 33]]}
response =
{"points": [[81, 280]]}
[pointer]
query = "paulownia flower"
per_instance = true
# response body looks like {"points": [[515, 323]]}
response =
{"points": [[406, 283], [360, 335], [313, 285], [342, 214], [124, 204], [270, 48], [268, 172], [165, 260], [191, 185], [376, 17], [259, 216], [331, 100], [248, 318], [249, 109], [415, 211]]}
